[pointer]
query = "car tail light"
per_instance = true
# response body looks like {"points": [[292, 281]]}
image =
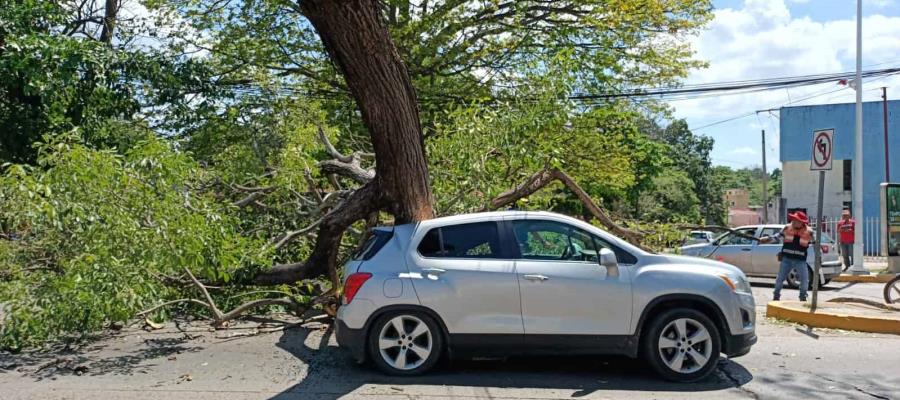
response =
{"points": [[825, 248], [353, 284]]}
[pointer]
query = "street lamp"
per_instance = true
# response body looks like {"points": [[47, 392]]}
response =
{"points": [[858, 248]]}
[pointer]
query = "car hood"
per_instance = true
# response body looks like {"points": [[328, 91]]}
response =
{"points": [[696, 264], [695, 246]]}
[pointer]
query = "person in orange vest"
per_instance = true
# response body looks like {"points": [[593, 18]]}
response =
{"points": [[847, 229], [797, 237]]}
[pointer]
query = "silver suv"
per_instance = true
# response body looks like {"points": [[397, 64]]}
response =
{"points": [[515, 282]]}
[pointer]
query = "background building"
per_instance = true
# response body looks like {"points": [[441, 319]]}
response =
{"points": [[800, 185], [737, 198]]}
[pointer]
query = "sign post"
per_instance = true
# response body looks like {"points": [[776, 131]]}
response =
{"points": [[822, 151]]}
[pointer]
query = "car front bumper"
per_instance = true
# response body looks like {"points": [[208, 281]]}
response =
{"points": [[351, 340], [738, 345]]}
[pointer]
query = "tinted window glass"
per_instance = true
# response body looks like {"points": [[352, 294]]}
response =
{"points": [[373, 244], [771, 232], [548, 240], [430, 246], [478, 240], [732, 239]]}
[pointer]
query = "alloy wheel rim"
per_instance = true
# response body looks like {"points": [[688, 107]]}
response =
{"points": [[405, 342], [685, 345], [792, 279]]}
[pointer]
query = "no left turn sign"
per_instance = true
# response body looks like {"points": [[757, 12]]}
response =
{"points": [[822, 150]]}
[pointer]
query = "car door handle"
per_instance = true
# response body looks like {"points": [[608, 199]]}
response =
{"points": [[745, 249], [535, 277], [433, 271]]}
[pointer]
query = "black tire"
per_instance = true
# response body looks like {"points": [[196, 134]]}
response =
{"points": [[653, 354], [892, 290], [436, 338]]}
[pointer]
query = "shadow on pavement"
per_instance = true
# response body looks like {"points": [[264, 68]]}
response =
{"points": [[331, 374], [50, 364]]}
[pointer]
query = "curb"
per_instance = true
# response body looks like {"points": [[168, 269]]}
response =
{"points": [[881, 278], [781, 310]]}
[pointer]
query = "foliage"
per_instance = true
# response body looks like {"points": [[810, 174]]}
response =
{"points": [[673, 198], [95, 234], [133, 159], [690, 154]]}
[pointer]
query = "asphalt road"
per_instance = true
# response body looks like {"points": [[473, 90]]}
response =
{"points": [[788, 362]]}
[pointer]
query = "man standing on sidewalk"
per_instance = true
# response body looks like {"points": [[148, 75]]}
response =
{"points": [[847, 229], [797, 237]]}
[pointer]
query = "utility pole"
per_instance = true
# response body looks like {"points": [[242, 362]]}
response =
{"points": [[858, 247], [887, 154], [765, 191]]}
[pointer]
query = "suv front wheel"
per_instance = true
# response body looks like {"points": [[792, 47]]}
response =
{"points": [[405, 343], [682, 345]]}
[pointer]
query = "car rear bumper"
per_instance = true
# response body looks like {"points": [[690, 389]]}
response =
{"points": [[351, 340], [831, 269], [738, 345]]}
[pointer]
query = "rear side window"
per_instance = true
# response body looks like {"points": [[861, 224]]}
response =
{"points": [[477, 240], [373, 244]]}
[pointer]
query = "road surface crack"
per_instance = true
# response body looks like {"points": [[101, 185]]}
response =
{"points": [[857, 388]]}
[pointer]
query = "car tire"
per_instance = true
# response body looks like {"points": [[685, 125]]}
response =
{"points": [[793, 281], [668, 348], [418, 347]]}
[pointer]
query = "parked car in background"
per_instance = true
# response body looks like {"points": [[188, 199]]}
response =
{"points": [[515, 282], [697, 237], [760, 260]]}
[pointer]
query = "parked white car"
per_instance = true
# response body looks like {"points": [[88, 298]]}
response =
{"points": [[760, 260], [699, 237]]}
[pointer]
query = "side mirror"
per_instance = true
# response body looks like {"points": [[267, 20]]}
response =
{"points": [[608, 260]]}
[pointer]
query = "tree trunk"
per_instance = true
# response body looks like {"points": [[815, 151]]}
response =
{"points": [[358, 41], [109, 21]]}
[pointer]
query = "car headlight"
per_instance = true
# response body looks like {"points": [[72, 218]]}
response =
{"points": [[739, 284]]}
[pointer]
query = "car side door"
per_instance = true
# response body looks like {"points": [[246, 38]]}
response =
{"points": [[736, 249], [564, 289], [765, 255], [464, 273]]}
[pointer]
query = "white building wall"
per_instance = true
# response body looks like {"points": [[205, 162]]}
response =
{"points": [[800, 187]]}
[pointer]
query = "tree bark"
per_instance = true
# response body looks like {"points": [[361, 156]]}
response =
{"points": [[323, 259], [109, 21], [546, 176], [360, 45]]}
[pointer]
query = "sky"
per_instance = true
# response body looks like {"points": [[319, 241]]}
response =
{"points": [[754, 39]]}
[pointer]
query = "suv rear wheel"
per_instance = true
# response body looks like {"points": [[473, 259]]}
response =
{"points": [[405, 343], [793, 280], [682, 345]]}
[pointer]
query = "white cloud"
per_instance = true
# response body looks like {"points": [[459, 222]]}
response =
{"points": [[744, 151], [762, 40], [879, 3]]}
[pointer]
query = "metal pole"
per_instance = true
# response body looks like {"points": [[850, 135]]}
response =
{"points": [[887, 155], [765, 181], [818, 245], [858, 187]]}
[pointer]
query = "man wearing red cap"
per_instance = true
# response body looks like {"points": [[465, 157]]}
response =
{"points": [[847, 229], [797, 238]]}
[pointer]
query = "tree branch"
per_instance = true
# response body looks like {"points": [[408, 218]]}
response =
{"points": [[290, 236], [546, 176]]}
